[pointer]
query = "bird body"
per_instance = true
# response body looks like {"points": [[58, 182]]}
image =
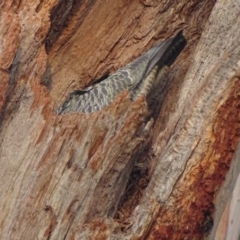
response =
{"points": [[140, 77]]}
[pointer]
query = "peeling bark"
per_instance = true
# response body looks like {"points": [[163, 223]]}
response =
{"points": [[124, 172]]}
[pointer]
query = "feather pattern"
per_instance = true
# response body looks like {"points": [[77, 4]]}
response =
{"points": [[139, 77]]}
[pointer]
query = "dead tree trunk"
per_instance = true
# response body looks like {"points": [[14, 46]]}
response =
{"points": [[117, 173]]}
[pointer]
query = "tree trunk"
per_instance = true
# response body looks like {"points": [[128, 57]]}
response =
{"points": [[123, 172]]}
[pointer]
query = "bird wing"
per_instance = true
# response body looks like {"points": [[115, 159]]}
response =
{"points": [[130, 77]]}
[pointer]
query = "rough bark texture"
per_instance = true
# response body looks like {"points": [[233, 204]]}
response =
{"points": [[124, 172]]}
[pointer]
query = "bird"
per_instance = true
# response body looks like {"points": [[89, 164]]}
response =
{"points": [[140, 77]]}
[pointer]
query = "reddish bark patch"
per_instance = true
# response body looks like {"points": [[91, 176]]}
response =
{"points": [[99, 228], [53, 221], [192, 218], [164, 233], [97, 143]]}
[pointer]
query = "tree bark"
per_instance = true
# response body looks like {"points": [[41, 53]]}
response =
{"points": [[124, 172]]}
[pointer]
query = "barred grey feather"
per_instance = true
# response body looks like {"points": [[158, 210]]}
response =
{"points": [[140, 77]]}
